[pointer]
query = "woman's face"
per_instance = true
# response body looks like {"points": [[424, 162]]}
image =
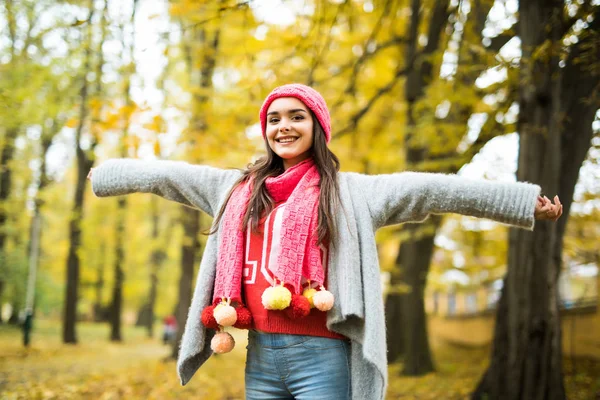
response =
{"points": [[289, 130]]}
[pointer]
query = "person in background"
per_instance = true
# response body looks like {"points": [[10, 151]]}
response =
{"points": [[169, 329]]}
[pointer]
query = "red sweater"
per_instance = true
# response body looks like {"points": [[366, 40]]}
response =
{"points": [[262, 249]]}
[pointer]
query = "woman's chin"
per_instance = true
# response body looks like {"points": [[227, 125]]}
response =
{"points": [[292, 158], [288, 155]]}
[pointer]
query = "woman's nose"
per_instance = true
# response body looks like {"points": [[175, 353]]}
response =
{"points": [[284, 126]]}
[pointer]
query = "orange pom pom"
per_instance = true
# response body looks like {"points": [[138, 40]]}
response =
{"points": [[299, 307], [244, 318], [208, 319], [225, 315], [222, 342], [323, 300]]}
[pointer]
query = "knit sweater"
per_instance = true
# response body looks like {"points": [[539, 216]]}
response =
{"points": [[261, 251], [368, 202]]}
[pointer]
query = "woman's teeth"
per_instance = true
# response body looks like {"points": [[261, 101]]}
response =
{"points": [[287, 140]]}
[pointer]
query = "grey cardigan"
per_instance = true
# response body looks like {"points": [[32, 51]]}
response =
{"points": [[368, 202]]}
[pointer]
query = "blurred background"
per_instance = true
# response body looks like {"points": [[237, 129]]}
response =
{"points": [[94, 292]]}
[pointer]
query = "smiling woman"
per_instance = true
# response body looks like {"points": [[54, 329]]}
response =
{"points": [[283, 263]]}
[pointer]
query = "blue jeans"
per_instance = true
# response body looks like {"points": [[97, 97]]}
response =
{"points": [[281, 366]]}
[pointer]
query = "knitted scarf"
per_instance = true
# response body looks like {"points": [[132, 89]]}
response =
{"points": [[298, 186]]}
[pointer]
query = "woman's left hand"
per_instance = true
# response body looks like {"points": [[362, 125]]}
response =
{"points": [[545, 210]]}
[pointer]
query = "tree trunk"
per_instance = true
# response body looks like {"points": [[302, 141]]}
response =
{"points": [[5, 185], [8, 149], [117, 292], [393, 314], [526, 361], [98, 309], [190, 218], [156, 259], [119, 275], [36, 230], [199, 42], [101, 312], [413, 261], [402, 335], [83, 166]]}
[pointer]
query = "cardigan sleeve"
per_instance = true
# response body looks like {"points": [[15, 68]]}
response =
{"points": [[412, 196], [196, 186]]}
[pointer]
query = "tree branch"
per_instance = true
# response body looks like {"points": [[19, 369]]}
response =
{"points": [[355, 119], [499, 41], [321, 53]]}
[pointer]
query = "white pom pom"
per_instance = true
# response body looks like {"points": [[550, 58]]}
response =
{"points": [[323, 300], [225, 315]]}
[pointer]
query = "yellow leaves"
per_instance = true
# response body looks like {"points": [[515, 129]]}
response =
{"points": [[157, 124], [113, 117], [95, 106], [133, 142], [72, 123], [127, 110], [112, 120], [156, 148]]}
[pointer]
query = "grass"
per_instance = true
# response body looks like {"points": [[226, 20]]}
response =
{"points": [[139, 368]]}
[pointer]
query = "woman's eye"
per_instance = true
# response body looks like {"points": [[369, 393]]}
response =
{"points": [[274, 120], [298, 118]]}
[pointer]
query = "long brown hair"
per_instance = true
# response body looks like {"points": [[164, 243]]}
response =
{"points": [[261, 203]]}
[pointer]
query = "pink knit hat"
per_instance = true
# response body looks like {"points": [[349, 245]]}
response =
{"points": [[309, 96]]}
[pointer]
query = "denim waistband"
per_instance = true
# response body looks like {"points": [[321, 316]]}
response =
{"points": [[275, 340]]}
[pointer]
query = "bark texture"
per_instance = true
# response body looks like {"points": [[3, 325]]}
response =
{"points": [[84, 163], [413, 266], [557, 110], [116, 306]]}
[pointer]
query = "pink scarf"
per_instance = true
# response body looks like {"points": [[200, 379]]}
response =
{"points": [[298, 186]]}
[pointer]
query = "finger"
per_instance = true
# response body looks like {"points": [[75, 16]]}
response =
{"points": [[540, 200], [558, 213], [557, 201]]}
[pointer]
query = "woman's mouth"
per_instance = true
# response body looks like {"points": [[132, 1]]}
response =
{"points": [[286, 139]]}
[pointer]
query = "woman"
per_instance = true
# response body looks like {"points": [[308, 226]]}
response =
{"points": [[292, 254]]}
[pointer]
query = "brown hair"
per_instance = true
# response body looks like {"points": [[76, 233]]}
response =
{"points": [[261, 203]]}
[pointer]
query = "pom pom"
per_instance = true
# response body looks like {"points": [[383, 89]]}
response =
{"points": [[276, 298], [222, 342], [225, 315], [309, 293], [299, 307], [323, 300], [244, 318], [208, 319]]}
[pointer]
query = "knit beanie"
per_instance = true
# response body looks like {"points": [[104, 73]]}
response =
{"points": [[309, 96]]}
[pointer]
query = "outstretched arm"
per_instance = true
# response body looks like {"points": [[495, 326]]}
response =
{"points": [[412, 196], [196, 186]]}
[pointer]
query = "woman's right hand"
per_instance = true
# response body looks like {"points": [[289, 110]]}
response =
{"points": [[89, 175]]}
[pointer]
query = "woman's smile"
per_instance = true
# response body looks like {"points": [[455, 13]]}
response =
{"points": [[287, 140]]}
